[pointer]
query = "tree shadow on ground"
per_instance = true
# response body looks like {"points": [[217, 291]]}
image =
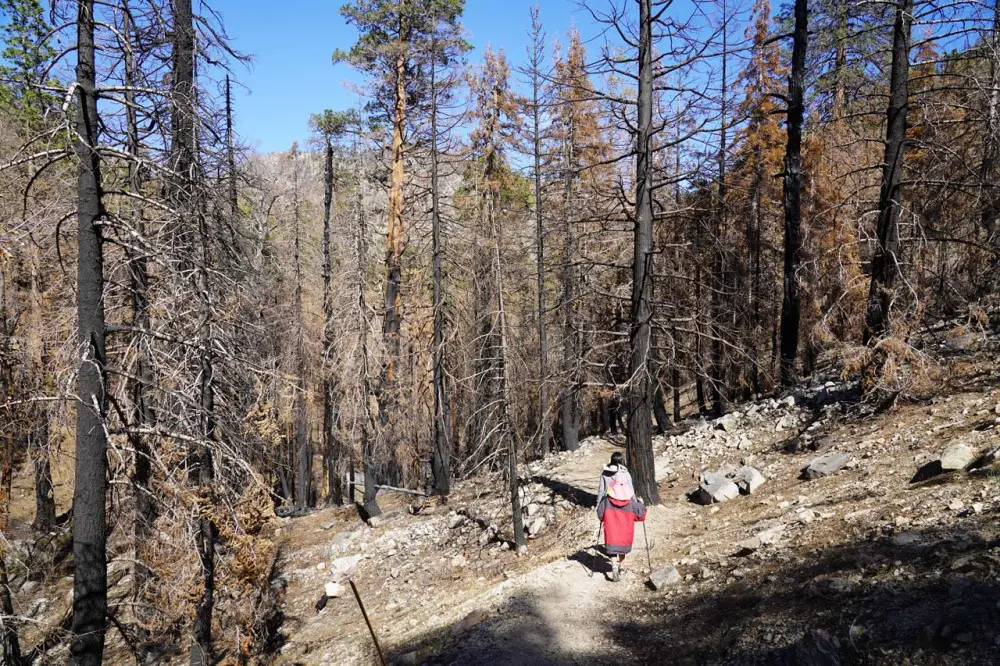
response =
{"points": [[517, 633], [927, 596], [571, 493], [923, 597]]}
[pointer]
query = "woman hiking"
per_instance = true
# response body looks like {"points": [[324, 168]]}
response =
{"points": [[618, 509]]}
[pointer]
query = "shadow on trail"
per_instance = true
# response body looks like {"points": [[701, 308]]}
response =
{"points": [[594, 561], [517, 634], [568, 492], [927, 596]]}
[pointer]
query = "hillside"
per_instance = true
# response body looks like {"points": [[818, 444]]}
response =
{"points": [[868, 565]]}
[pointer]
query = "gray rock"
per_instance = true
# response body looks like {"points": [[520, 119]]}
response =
{"points": [[459, 561], [536, 526], [29, 587], [748, 546], [664, 577], [957, 456], [343, 566], [715, 487], [455, 520], [771, 535], [826, 465], [533, 509], [727, 423], [748, 479]]}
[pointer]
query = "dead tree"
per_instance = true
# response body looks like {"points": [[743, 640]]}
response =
{"points": [[535, 58], [640, 444], [90, 582], [885, 263], [791, 304]]}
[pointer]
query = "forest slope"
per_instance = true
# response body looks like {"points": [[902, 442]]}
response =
{"points": [[868, 563]]}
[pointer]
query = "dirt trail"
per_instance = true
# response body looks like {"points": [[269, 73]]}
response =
{"points": [[555, 614]]}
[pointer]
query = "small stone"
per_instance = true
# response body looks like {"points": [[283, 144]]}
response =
{"points": [[956, 505], [665, 577], [806, 516], [977, 507], [748, 546], [957, 456], [826, 465], [771, 535], [715, 487], [334, 590], [459, 561], [455, 520], [748, 479], [788, 401], [536, 526], [343, 566], [533, 509], [727, 423]]}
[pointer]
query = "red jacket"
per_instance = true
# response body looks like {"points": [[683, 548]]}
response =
{"points": [[619, 518]]}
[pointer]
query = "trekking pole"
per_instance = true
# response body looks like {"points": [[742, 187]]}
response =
{"points": [[646, 538], [593, 557], [371, 629]]}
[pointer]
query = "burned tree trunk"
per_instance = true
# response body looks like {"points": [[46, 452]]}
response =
{"points": [[45, 501], [441, 455], [303, 449], [791, 304], [885, 263], [640, 443], [570, 413], [331, 444], [90, 582]]}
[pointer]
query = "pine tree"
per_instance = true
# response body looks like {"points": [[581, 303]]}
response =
{"points": [[392, 34]]}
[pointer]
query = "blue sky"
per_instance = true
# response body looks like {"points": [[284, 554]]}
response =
{"points": [[292, 75]]}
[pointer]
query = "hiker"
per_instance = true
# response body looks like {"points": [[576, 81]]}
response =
{"points": [[618, 509]]}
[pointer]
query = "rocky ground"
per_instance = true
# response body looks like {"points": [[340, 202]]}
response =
{"points": [[879, 557]]}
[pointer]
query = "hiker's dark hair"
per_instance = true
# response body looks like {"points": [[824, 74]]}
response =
{"points": [[618, 458]]}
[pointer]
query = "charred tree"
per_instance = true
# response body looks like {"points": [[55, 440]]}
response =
{"points": [[791, 304], [90, 582], [885, 263], [441, 454], [640, 443], [303, 448]]}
